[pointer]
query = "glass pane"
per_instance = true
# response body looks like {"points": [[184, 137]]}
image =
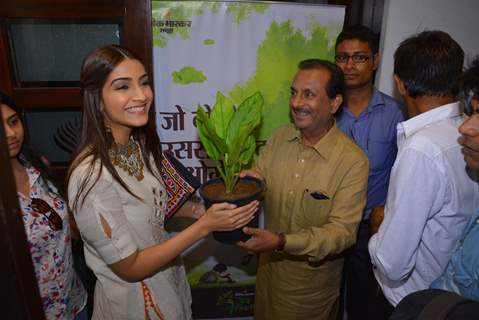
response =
{"points": [[54, 134], [49, 53]]}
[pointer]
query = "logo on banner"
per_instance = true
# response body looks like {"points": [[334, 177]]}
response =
{"points": [[168, 26]]}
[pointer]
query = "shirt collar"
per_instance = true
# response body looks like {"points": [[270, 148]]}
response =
{"points": [[411, 126], [323, 147], [33, 176], [377, 100], [32, 172]]}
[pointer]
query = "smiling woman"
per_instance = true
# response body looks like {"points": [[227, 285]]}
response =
{"points": [[126, 99], [119, 194]]}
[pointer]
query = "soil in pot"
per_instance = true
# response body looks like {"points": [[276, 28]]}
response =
{"points": [[246, 190], [242, 189]]}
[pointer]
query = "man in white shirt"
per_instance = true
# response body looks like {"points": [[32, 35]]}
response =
{"points": [[431, 197]]}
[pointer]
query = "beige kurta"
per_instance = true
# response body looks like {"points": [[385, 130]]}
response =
{"points": [[135, 224], [315, 195]]}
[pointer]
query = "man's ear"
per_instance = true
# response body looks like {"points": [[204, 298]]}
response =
{"points": [[376, 59], [336, 103], [400, 86]]}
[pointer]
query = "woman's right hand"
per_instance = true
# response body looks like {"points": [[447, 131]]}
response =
{"points": [[226, 216]]}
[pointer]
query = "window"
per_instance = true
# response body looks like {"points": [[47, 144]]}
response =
{"points": [[42, 46]]}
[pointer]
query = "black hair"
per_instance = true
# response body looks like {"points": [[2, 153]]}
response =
{"points": [[335, 85], [27, 155], [361, 33], [429, 64]]}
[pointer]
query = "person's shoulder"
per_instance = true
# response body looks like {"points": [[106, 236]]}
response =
{"points": [[283, 133], [286, 129], [393, 105], [351, 149], [83, 163], [389, 100], [86, 165], [435, 136]]}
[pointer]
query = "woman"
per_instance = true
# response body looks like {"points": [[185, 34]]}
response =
{"points": [[119, 199], [46, 223]]}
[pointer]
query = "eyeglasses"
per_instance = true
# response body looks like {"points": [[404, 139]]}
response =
{"points": [[54, 219], [465, 99], [357, 58]]}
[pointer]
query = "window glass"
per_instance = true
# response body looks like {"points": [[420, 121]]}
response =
{"points": [[49, 53]]}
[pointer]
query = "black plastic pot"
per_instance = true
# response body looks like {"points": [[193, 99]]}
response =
{"points": [[231, 237]]}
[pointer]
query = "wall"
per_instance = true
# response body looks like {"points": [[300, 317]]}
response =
{"points": [[402, 18]]}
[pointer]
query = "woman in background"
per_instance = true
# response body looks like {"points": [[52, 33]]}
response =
{"points": [[119, 197], [46, 223]]}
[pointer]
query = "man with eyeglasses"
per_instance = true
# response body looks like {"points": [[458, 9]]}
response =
{"points": [[431, 197], [369, 117]]}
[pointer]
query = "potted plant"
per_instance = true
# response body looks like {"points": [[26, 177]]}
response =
{"points": [[227, 135]]}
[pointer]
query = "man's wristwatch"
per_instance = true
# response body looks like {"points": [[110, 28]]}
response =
{"points": [[281, 241]]}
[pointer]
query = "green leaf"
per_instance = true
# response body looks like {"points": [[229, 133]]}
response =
{"points": [[248, 150], [228, 134], [214, 146], [209, 147], [247, 117], [237, 143], [221, 114]]}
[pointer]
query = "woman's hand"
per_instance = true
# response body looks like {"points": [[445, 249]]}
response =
{"points": [[226, 216]]}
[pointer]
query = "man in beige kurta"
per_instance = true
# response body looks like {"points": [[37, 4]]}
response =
{"points": [[316, 191]]}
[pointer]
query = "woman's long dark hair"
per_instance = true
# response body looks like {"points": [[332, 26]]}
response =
{"points": [[95, 141], [27, 155]]}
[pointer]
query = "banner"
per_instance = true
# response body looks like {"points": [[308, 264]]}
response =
{"points": [[238, 48]]}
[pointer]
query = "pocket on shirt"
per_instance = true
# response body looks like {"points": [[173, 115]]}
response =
{"points": [[381, 154], [315, 208]]}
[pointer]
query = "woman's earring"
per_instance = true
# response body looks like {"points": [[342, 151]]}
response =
{"points": [[107, 126]]}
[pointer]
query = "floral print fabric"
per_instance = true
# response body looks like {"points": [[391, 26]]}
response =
{"points": [[62, 293]]}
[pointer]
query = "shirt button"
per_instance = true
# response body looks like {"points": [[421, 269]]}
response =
{"points": [[301, 160], [296, 175], [290, 192]]}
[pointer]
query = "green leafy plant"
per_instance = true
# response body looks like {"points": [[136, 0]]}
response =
{"points": [[227, 134]]}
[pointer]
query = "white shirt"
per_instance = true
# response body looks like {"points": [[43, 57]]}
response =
{"points": [[430, 199]]}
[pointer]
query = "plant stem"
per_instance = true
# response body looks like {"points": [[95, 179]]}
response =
{"points": [[219, 166]]}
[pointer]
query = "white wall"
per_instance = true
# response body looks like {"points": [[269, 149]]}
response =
{"points": [[402, 18]]}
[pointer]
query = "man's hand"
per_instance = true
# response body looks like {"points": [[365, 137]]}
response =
{"points": [[375, 219], [261, 240]]}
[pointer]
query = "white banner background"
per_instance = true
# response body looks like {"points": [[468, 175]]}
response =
{"points": [[201, 47]]}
